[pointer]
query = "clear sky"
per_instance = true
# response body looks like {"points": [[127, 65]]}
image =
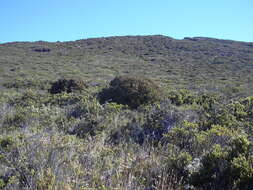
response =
{"points": [[65, 20]]}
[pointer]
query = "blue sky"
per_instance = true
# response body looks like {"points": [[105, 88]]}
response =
{"points": [[65, 20]]}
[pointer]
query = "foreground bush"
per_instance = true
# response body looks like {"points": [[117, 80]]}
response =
{"points": [[67, 85], [71, 141], [226, 168], [131, 91]]}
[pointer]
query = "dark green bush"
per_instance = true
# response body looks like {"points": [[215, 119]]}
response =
{"points": [[226, 167], [132, 91], [178, 163], [90, 125], [29, 98], [6, 143], [68, 86]]}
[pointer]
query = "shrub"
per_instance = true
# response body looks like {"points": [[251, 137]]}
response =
{"points": [[28, 98], [213, 173], [159, 122], [68, 86], [181, 97], [131, 132], [42, 49], [4, 180], [185, 137], [226, 168], [6, 143], [17, 120], [179, 163], [90, 125], [162, 118], [132, 91]]}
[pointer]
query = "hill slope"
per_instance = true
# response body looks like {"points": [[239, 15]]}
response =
{"points": [[196, 63], [159, 139]]}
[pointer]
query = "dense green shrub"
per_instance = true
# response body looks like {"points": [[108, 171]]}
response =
{"points": [[67, 85], [227, 167], [89, 126], [92, 117], [194, 141], [179, 163], [29, 98], [132, 91], [2, 183], [181, 97], [185, 137]]}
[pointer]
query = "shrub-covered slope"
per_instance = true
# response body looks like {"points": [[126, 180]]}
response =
{"points": [[195, 63], [127, 113]]}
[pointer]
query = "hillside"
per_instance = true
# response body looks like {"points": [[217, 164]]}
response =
{"points": [[193, 63], [126, 113]]}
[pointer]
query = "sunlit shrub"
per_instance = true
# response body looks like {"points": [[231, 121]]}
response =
{"points": [[29, 98], [227, 167], [178, 163], [185, 137], [181, 97]]}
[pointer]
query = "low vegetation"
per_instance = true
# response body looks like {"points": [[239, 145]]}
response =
{"points": [[130, 132], [132, 140]]}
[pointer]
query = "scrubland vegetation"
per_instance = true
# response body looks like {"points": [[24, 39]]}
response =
{"points": [[122, 130]]}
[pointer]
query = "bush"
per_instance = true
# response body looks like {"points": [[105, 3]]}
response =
{"points": [[131, 132], [226, 168], [181, 97], [185, 137], [132, 91], [6, 143], [68, 86], [159, 121], [17, 120], [179, 163], [28, 98], [90, 125]]}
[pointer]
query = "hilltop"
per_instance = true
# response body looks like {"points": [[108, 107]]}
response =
{"points": [[194, 63]]}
